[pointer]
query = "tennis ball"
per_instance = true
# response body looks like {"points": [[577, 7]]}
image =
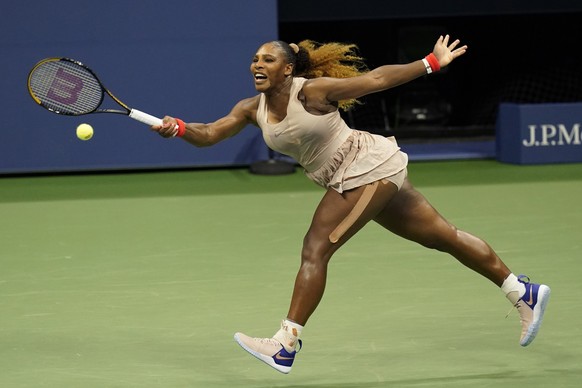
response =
{"points": [[84, 131]]}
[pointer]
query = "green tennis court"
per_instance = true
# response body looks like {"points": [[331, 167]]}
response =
{"points": [[141, 280]]}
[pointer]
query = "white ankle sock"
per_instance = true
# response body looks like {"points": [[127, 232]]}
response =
{"points": [[288, 334], [512, 288]]}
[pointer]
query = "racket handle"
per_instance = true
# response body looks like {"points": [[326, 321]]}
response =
{"points": [[144, 117]]}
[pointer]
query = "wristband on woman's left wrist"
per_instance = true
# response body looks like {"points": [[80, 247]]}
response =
{"points": [[431, 63]]}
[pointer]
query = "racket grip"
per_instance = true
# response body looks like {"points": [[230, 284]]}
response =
{"points": [[144, 117]]}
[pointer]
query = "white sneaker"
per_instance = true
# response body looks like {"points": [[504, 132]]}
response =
{"points": [[531, 307], [268, 350]]}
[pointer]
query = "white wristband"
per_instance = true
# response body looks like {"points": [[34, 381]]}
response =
{"points": [[427, 66]]}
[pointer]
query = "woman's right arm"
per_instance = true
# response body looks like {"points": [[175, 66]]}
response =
{"points": [[207, 134]]}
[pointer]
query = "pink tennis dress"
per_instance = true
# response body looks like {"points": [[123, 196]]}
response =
{"points": [[332, 154]]}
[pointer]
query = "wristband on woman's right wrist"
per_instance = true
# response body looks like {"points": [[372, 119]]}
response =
{"points": [[181, 128]]}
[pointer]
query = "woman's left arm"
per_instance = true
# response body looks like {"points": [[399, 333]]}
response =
{"points": [[384, 77]]}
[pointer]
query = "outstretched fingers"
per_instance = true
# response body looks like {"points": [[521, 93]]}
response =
{"points": [[454, 44], [444, 40], [459, 51], [456, 51]]}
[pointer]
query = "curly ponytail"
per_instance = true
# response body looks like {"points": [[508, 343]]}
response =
{"points": [[334, 59]]}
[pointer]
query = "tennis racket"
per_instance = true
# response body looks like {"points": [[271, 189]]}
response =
{"points": [[67, 87]]}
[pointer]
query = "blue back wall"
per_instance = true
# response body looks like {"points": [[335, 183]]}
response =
{"points": [[186, 58]]}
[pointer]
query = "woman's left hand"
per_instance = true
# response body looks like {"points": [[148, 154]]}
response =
{"points": [[445, 52]]}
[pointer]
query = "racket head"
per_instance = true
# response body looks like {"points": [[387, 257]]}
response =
{"points": [[65, 86]]}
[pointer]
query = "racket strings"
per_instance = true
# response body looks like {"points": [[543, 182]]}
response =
{"points": [[65, 87]]}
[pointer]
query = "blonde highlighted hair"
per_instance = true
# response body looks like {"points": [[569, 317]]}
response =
{"points": [[334, 59]]}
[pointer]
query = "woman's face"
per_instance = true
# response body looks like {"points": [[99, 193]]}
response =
{"points": [[270, 67]]}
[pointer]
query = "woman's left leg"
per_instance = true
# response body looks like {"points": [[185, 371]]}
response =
{"points": [[411, 216]]}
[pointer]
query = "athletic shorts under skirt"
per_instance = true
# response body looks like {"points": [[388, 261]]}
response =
{"points": [[363, 158]]}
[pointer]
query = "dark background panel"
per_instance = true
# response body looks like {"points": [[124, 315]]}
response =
{"points": [[328, 10], [517, 53]]}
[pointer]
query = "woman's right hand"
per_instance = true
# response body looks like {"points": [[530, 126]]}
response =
{"points": [[169, 127]]}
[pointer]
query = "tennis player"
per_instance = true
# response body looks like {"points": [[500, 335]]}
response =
{"points": [[301, 89]]}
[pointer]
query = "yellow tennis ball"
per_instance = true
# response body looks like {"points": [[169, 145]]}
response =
{"points": [[84, 131]]}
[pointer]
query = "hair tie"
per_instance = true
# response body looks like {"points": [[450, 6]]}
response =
{"points": [[294, 47]]}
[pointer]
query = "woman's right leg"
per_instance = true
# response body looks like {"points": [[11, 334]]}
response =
{"points": [[320, 243], [318, 247]]}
